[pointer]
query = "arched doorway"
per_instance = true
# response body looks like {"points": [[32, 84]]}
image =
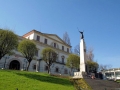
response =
{"points": [[15, 65]]}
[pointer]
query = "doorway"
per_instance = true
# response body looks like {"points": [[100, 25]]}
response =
{"points": [[15, 65]]}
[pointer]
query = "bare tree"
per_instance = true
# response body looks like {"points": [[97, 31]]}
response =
{"points": [[104, 67], [66, 38], [90, 55], [77, 49]]}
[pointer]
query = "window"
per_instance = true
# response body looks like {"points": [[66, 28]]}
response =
{"points": [[65, 71], [67, 49], [62, 59], [46, 68], [55, 45], [45, 41], [34, 67], [56, 69], [62, 47], [38, 38], [36, 53]]}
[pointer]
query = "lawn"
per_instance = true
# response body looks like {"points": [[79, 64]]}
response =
{"points": [[23, 80]]}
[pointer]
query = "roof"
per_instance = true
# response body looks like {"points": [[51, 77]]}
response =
{"points": [[46, 34]]}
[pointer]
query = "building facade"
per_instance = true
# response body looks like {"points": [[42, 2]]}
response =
{"points": [[42, 40]]}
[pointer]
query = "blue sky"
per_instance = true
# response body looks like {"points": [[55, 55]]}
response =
{"points": [[100, 20]]}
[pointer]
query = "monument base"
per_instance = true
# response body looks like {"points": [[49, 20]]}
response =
{"points": [[77, 75]]}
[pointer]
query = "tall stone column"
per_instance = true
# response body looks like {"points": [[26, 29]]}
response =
{"points": [[82, 55], [82, 58]]}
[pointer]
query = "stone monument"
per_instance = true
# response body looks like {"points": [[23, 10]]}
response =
{"points": [[82, 53], [82, 58]]}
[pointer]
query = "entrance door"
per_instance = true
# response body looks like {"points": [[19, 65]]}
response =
{"points": [[15, 65]]}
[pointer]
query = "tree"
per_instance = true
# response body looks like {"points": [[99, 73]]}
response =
{"points": [[49, 56], [28, 49], [8, 42], [104, 67], [92, 66], [66, 38], [90, 55], [77, 49], [73, 61]]}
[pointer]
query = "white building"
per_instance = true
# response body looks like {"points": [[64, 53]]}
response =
{"points": [[111, 74], [42, 40]]}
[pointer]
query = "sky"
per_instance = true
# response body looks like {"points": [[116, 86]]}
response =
{"points": [[100, 20]]}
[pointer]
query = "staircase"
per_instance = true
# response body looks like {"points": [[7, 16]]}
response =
{"points": [[98, 84]]}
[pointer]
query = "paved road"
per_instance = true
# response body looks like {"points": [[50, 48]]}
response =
{"points": [[98, 84]]}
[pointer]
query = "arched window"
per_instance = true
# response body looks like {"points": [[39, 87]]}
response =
{"points": [[63, 59]]}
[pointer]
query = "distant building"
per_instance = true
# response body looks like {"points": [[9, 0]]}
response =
{"points": [[43, 40], [111, 74]]}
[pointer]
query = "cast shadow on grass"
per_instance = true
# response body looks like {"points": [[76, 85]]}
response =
{"points": [[49, 79]]}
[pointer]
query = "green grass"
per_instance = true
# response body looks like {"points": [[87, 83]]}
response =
{"points": [[81, 84], [23, 80], [118, 81]]}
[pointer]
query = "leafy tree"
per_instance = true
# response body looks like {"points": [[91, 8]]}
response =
{"points": [[49, 56], [73, 61], [8, 42], [28, 49], [92, 66]]}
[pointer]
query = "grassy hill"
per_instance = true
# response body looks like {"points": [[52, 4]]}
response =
{"points": [[22, 80]]}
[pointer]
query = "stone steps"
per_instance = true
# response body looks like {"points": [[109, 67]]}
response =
{"points": [[98, 84]]}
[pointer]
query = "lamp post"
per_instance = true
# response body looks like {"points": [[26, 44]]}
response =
{"points": [[6, 57]]}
